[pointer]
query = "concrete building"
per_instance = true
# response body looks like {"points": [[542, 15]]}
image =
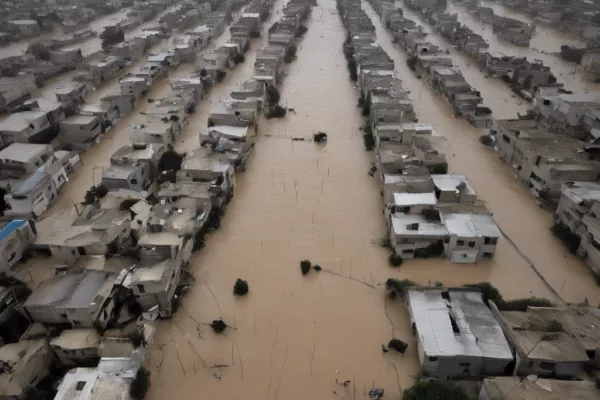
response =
{"points": [[23, 126], [548, 341], [152, 133], [25, 27], [15, 238], [77, 346], [579, 210], [457, 335], [94, 232], [20, 160], [134, 86], [155, 285], [32, 197], [471, 237], [23, 366], [82, 300], [515, 388], [453, 188], [14, 90], [80, 131]]}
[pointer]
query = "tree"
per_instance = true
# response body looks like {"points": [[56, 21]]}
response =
{"points": [[241, 287], [395, 259], [3, 203], [140, 384], [305, 266], [438, 390], [170, 160], [273, 95]]}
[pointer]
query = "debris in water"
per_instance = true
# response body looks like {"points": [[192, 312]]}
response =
{"points": [[372, 170], [375, 394], [241, 287], [320, 137], [218, 325], [398, 345], [305, 266], [317, 268], [384, 349], [217, 375]]}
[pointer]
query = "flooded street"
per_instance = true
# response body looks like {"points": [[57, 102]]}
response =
{"points": [[297, 200], [297, 335]]}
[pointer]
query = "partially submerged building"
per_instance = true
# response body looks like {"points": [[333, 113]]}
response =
{"points": [[457, 335]]}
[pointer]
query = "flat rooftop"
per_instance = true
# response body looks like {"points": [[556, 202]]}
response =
{"points": [[471, 225], [403, 224], [516, 388], [454, 322]]}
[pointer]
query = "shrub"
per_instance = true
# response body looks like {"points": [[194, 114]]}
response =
{"points": [[292, 50], [255, 34], [276, 111], [239, 58], [398, 345], [301, 31], [396, 287], [218, 325], [127, 204], [395, 259], [438, 284], [203, 72], [94, 194], [522, 304], [488, 292], [411, 62], [273, 95], [137, 339], [170, 161], [438, 390], [241, 287], [569, 239], [317, 268], [366, 108], [140, 384], [368, 138], [435, 249], [352, 69], [318, 137], [221, 75], [246, 47], [305, 266], [441, 168]]}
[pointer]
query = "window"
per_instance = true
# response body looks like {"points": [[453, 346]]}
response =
{"points": [[460, 242], [490, 240], [408, 251], [134, 181], [141, 288], [80, 385], [405, 210], [76, 323], [547, 365], [471, 244], [487, 256], [464, 364], [447, 240], [433, 359]]}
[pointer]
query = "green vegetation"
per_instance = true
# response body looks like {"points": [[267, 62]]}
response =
{"points": [[241, 287], [221, 75], [569, 239], [318, 137], [239, 58], [305, 266], [396, 287], [366, 107], [398, 345], [137, 338], [127, 204], [351, 62], [368, 138], [140, 384], [170, 161], [276, 111], [435, 390], [395, 259], [439, 169], [489, 292], [94, 194], [273, 95]]}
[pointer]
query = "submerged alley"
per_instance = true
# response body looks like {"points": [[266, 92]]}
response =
{"points": [[208, 167]]}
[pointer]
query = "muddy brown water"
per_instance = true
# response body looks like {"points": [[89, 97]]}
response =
{"points": [[297, 200]]}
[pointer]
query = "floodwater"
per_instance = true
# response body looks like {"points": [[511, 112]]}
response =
{"points": [[295, 336], [544, 46]]}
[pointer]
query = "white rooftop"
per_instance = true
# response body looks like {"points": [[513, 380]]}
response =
{"points": [[402, 225], [471, 225], [413, 199], [479, 334]]}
